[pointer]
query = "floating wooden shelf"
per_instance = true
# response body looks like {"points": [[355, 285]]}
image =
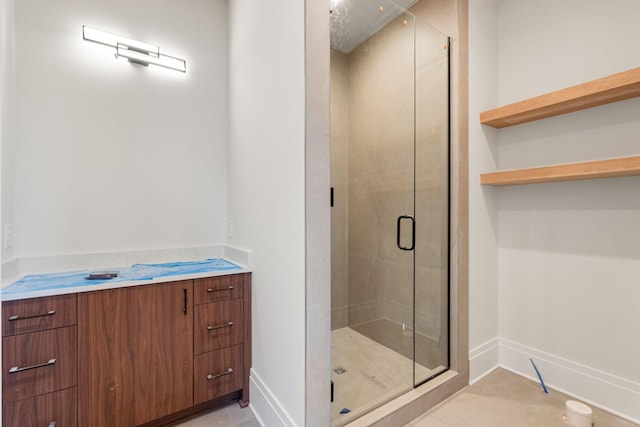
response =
{"points": [[611, 168], [615, 87]]}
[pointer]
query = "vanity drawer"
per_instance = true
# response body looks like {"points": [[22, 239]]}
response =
{"points": [[218, 325], [219, 288], [217, 373], [53, 409], [38, 314], [38, 363]]}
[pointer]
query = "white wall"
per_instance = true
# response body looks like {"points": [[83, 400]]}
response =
{"points": [[568, 253], [483, 246], [6, 117], [176, 152], [267, 194], [6, 79], [112, 156]]}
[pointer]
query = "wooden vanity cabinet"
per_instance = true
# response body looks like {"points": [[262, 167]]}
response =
{"points": [[149, 352], [136, 353], [140, 355], [222, 337], [39, 359]]}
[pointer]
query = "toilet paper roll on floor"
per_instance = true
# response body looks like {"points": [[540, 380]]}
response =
{"points": [[579, 414]]}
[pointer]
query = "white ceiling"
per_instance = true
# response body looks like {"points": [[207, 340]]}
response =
{"points": [[354, 21]]}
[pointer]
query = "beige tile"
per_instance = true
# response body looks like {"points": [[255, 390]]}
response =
{"points": [[239, 414], [318, 220], [229, 415], [318, 348], [317, 65], [441, 14], [215, 417], [378, 117], [339, 181], [435, 422], [361, 280], [374, 374], [506, 399], [430, 353]]}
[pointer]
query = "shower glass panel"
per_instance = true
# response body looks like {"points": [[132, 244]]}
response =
{"points": [[390, 219], [431, 296]]}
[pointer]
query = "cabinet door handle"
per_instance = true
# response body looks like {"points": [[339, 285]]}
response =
{"points": [[226, 325], [52, 424], [184, 310], [16, 317], [228, 288], [213, 377], [17, 369]]}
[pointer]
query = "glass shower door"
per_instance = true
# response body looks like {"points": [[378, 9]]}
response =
{"points": [[373, 173], [431, 299], [390, 217]]}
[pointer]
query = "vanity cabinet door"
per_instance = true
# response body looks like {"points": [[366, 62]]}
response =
{"points": [[136, 354]]}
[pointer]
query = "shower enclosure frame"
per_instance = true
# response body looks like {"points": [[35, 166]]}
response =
{"points": [[318, 283]]}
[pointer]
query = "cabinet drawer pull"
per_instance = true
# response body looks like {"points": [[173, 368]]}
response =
{"points": [[213, 377], [16, 369], [16, 317], [226, 325], [52, 424], [221, 289]]}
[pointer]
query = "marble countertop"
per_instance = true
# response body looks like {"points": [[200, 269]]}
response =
{"points": [[40, 285]]}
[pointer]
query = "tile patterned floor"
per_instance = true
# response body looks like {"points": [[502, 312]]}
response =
{"points": [[501, 399], [230, 415]]}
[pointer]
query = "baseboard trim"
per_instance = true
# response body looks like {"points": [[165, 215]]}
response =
{"points": [[264, 405], [483, 360], [613, 394]]}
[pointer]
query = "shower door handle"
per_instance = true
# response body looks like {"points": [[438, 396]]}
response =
{"points": [[413, 232]]}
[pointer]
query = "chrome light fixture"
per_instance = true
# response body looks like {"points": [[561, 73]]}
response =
{"points": [[133, 50]]}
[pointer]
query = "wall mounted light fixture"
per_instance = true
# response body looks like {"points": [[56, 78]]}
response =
{"points": [[133, 50]]}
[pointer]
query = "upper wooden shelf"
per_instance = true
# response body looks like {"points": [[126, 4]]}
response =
{"points": [[615, 87], [611, 168]]}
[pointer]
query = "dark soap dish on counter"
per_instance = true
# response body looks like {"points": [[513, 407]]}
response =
{"points": [[102, 275]]}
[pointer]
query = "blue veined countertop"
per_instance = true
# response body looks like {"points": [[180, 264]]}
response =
{"points": [[39, 285]]}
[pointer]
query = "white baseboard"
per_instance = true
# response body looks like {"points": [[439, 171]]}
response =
{"points": [[483, 360], [609, 392], [264, 405]]}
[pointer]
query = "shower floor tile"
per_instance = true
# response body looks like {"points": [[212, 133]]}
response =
{"points": [[373, 374]]}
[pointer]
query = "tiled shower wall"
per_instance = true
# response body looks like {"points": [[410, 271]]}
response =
{"points": [[340, 184], [372, 119]]}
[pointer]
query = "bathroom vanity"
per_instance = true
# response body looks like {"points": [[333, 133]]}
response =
{"points": [[142, 354]]}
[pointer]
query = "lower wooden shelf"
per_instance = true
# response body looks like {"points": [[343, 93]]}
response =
{"points": [[610, 168]]}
